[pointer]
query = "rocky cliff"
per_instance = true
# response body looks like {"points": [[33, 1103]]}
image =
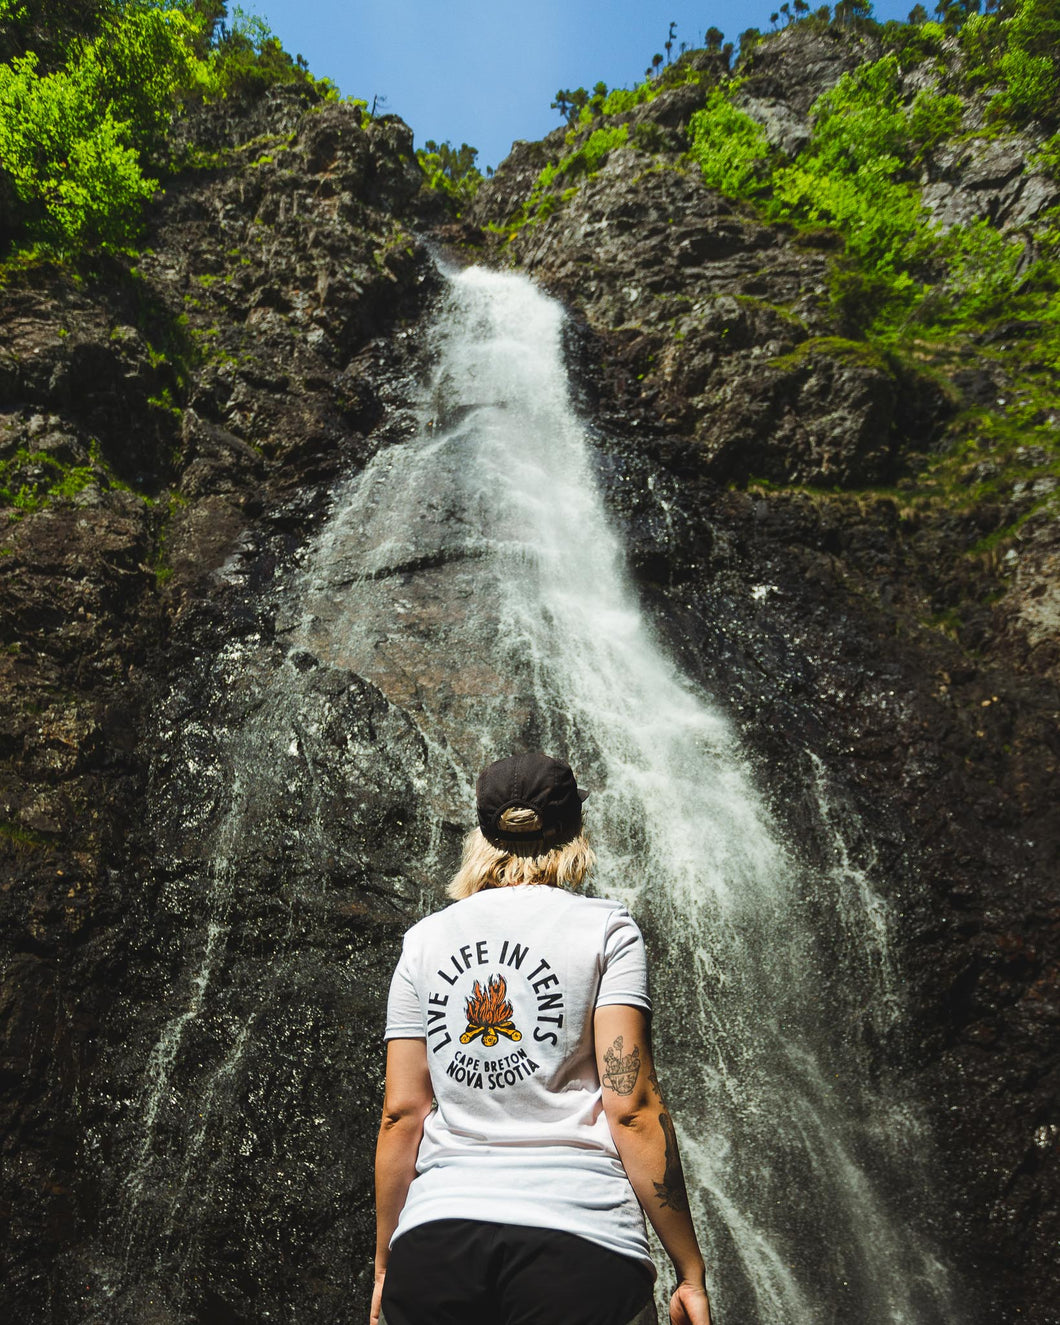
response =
{"points": [[160, 420], [171, 428]]}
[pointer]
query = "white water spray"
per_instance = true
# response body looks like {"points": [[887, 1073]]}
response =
{"points": [[472, 575]]}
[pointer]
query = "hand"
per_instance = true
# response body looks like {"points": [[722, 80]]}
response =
{"points": [[377, 1296], [690, 1305]]}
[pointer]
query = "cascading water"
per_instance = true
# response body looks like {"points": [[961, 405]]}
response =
{"points": [[471, 581]]}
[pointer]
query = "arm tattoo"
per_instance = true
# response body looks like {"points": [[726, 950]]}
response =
{"points": [[654, 1080], [622, 1072], [671, 1191]]}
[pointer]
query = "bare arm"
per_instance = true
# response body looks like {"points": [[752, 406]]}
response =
{"points": [[408, 1101], [647, 1145]]}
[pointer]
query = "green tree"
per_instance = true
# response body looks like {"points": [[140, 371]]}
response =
{"points": [[595, 105], [1030, 63], [562, 103], [451, 170], [137, 67], [48, 27], [953, 14], [71, 138], [248, 58], [852, 13]]}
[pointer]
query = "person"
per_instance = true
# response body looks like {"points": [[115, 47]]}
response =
{"points": [[524, 1132]]}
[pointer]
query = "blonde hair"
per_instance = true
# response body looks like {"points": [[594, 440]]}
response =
{"points": [[538, 859]]}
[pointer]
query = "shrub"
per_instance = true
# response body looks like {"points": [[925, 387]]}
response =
{"points": [[136, 68], [730, 148], [1047, 158], [982, 267], [1029, 64], [70, 162], [47, 27], [80, 122]]}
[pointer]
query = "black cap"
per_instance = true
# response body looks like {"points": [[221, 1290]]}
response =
{"points": [[532, 782]]}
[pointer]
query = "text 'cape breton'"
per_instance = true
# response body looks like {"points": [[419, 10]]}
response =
{"points": [[503, 986]]}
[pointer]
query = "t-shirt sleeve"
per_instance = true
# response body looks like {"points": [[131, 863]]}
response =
{"points": [[625, 973], [404, 1016]]}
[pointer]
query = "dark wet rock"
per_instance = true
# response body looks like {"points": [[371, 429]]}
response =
{"points": [[514, 178]]}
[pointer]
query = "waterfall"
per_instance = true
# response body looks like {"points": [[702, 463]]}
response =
{"points": [[469, 581]]}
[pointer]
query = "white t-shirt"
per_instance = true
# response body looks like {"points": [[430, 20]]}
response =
{"points": [[503, 986]]}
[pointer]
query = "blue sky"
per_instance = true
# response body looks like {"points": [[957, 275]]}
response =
{"points": [[485, 74]]}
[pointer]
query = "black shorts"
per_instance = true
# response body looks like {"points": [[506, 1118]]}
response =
{"points": [[465, 1272]]}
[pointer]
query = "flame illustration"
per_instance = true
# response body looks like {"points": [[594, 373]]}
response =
{"points": [[489, 1013]]}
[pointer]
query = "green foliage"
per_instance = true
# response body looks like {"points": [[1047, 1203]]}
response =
{"points": [[749, 39], [883, 222], [649, 137], [1047, 158], [137, 67], [47, 27], [981, 272], [593, 107], [570, 104], [857, 175], [21, 839], [1016, 50], [858, 294], [621, 100], [730, 148], [248, 59], [585, 160], [624, 99], [932, 119], [450, 170], [836, 348], [904, 292], [30, 480], [901, 285], [71, 140], [87, 95], [863, 122], [1030, 63], [70, 162]]}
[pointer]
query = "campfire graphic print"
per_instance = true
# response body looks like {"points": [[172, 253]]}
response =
{"points": [[489, 1014]]}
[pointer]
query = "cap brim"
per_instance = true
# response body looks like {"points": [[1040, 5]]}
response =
{"points": [[582, 794]]}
